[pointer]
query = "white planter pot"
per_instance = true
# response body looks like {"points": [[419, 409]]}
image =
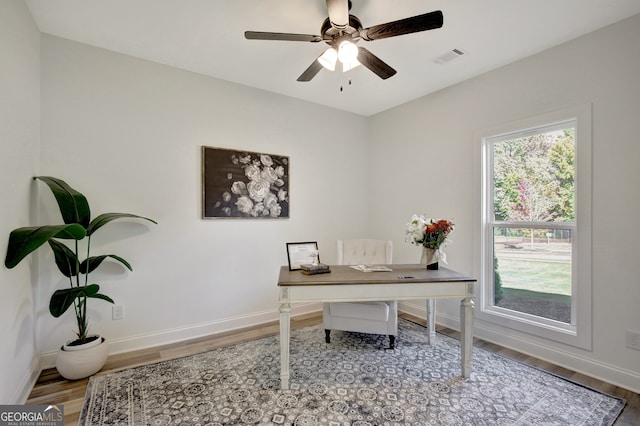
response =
{"points": [[78, 362]]}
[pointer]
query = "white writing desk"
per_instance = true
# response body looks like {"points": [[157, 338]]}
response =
{"points": [[404, 282]]}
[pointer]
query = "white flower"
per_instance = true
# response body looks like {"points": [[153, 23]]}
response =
{"points": [[275, 210], [266, 160], [280, 171], [415, 229], [269, 174], [270, 200], [244, 204], [252, 171], [245, 159], [272, 208], [282, 195], [226, 197], [239, 188], [258, 208], [258, 189]]}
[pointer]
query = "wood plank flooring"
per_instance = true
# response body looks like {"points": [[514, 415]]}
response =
{"points": [[53, 389]]}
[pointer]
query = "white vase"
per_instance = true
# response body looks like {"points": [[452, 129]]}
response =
{"points": [[81, 361], [429, 258]]}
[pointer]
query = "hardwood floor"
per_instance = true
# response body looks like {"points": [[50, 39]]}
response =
{"points": [[53, 389]]}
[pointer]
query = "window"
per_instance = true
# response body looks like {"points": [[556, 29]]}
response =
{"points": [[535, 264]]}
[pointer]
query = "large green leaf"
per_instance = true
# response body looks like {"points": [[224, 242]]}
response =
{"points": [[23, 241], [105, 218], [74, 206], [95, 261], [61, 300], [66, 259]]}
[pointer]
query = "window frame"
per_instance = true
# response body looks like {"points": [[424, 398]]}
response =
{"points": [[578, 333]]}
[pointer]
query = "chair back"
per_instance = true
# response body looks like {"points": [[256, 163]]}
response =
{"points": [[365, 251]]}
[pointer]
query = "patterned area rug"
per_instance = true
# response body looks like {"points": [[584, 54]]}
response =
{"points": [[352, 381]]}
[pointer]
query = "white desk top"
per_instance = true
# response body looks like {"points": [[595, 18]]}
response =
{"points": [[400, 273]]}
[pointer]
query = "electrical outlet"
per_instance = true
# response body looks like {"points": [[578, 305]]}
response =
{"points": [[633, 340], [117, 312]]}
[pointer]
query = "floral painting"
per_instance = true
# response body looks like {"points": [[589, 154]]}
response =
{"points": [[243, 184]]}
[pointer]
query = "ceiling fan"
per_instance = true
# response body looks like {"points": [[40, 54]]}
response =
{"points": [[341, 31]]}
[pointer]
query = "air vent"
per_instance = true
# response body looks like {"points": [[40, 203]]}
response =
{"points": [[449, 56]]}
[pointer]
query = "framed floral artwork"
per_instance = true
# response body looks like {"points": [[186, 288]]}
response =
{"points": [[244, 184]]}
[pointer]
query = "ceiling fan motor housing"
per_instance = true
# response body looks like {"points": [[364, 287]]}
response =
{"points": [[333, 37]]}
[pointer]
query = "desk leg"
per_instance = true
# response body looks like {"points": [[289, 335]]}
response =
{"points": [[466, 325], [285, 333], [431, 321]]}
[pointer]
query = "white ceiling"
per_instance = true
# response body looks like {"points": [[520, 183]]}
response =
{"points": [[207, 37]]}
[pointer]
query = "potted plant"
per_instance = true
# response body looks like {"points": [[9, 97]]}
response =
{"points": [[74, 360]]}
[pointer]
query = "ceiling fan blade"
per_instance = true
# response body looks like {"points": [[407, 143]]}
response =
{"points": [[258, 35], [374, 63], [428, 21], [311, 72], [338, 13]]}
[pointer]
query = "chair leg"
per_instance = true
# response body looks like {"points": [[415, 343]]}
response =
{"points": [[327, 337], [392, 342]]}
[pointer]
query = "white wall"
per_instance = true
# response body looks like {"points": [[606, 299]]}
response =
{"points": [[128, 134], [431, 171], [19, 152]]}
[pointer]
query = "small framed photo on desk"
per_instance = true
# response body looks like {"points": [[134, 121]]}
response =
{"points": [[302, 253]]}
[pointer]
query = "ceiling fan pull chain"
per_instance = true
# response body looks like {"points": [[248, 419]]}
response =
{"points": [[342, 86]]}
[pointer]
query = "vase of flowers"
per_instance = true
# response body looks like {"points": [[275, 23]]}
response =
{"points": [[431, 235], [429, 257]]}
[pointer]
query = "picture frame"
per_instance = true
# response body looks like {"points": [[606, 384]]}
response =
{"points": [[240, 184], [301, 253]]}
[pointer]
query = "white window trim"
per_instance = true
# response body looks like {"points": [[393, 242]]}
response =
{"points": [[579, 335]]}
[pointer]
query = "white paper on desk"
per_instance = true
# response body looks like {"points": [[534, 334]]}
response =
{"points": [[372, 268]]}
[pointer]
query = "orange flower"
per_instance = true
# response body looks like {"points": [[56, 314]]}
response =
{"points": [[444, 224]]}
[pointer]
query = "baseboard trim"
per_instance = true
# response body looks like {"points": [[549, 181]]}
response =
{"points": [[138, 342], [599, 370], [413, 309], [23, 391]]}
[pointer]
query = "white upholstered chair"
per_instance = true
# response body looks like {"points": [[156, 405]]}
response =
{"points": [[363, 317]]}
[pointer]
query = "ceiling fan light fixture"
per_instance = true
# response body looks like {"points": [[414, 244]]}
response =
{"points": [[347, 52], [328, 59], [350, 65]]}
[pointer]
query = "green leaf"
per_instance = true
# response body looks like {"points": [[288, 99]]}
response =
{"points": [[23, 241], [95, 261], [90, 290], [105, 218], [66, 259], [61, 300], [103, 297], [74, 206]]}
